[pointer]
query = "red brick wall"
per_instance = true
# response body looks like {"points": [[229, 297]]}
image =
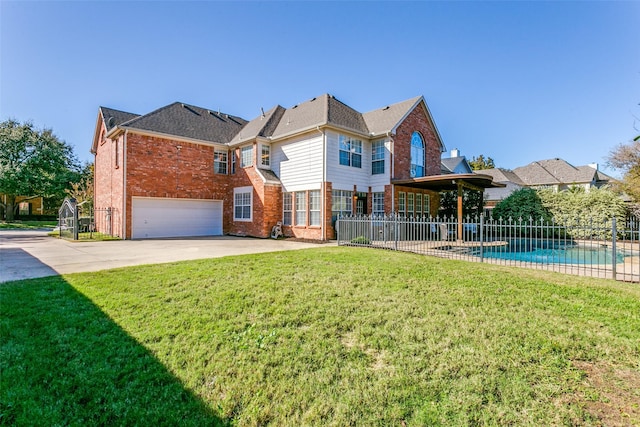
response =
{"points": [[156, 167], [417, 120], [109, 181]]}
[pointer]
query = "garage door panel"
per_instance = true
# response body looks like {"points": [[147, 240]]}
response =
{"points": [[159, 217]]}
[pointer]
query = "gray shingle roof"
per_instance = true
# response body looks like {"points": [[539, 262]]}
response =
{"points": [[450, 164], [188, 121], [383, 120], [112, 117], [263, 125], [502, 175], [554, 172], [320, 111]]}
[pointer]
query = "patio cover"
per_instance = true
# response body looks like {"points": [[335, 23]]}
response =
{"points": [[472, 181]]}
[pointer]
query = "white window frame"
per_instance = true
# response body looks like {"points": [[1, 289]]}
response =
{"points": [[287, 208], [301, 208], [418, 169], [315, 205], [352, 148], [220, 161], [378, 203], [341, 203], [426, 203], [418, 204], [242, 198], [402, 203], [233, 161], [246, 156], [410, 204], [265, 155], [377, 156]]}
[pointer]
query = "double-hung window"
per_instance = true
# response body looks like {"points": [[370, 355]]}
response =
{"points": [[410, 205], [402, 203], [426, 205], [350, 151], [242, 201], [341, 203], [246, 156], [301, 208], [233, 161], [265, 155], [377, 157], [287, 208], [220, 162], [314, 207], [378, 204], [418, 204]]}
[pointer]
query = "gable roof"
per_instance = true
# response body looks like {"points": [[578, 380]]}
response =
{"points": [[450, 164], [385, 119], [502, 175], [189, 121], [320, 111], [112, 117], [553, 172], [261, 126]]}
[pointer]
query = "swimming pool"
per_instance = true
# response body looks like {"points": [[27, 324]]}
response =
{"points": [[549, 252]]}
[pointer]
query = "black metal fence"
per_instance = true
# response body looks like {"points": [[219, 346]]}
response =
{"points": [[79, 222], [606, 249]]}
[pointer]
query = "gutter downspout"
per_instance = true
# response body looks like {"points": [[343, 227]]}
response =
{"points": [[124, 186], [322, 185]]}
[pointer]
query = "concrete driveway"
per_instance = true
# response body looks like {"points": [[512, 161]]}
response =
{"points": [[26, 254]]}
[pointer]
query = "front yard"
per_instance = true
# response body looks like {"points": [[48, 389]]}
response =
{"points": [[328, 336]]}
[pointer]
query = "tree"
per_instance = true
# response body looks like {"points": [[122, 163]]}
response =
{"points": [[626, 157], [471, 203], [524, 204], [33, 163], [479, 163], [82, 190]]}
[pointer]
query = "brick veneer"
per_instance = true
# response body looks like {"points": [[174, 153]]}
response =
{"points": [[417, 120]]}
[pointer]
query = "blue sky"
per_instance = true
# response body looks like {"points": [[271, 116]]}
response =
{"points": [[516, 81]]}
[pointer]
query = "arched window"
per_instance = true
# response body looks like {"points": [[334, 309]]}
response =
{"points": [[417, 156]]}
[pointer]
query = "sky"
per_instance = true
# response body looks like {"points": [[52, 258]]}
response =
{"points": [[516, 81]]}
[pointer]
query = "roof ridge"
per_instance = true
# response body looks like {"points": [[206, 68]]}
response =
{"points": [[151, 113]]}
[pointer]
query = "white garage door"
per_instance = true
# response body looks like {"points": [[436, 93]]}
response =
{"points": [[159, 217]]}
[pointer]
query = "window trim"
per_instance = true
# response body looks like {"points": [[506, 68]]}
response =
{"points": [[417, 154], [353, 149], [402, 203], [243, 150], [265, 158], [238, 191], [314, 195], [376, 160], [300, 210], [217, 162], [287, 202]]}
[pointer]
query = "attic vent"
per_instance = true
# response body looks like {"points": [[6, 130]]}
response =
{"points": [[295, 106], [313, 100], [183, 106], [262, 110], [385, 108], [111, 121]]}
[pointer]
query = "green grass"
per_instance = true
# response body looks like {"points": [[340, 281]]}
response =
{"points": [[27, 224], [328, 336], [86, 236]]}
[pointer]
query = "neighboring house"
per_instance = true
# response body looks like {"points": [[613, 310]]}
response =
{"points": [[559, 175], [493, 196], [455, 164], [187, 171], [25, 206], [555, 174]]}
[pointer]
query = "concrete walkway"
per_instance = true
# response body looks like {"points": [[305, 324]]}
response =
{"points": [[26, 254]]}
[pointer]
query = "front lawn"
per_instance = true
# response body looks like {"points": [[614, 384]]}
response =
{"points": [[29, 225], [328, 336]]}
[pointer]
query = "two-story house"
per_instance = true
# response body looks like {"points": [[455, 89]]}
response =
{"points": [[187, 171]]}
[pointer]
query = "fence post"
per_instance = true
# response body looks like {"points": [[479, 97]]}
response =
{"points": [[481, 237], [395, 232], [76, 224], [614, 260]]}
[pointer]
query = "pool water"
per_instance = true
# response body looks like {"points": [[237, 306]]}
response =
{"points": [[573, 254]]}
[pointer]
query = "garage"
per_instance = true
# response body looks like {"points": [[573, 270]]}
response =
{"points": [[161, 217]]}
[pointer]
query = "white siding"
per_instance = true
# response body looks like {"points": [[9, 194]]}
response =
{"points": [[298, 162], [345, 177]]}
